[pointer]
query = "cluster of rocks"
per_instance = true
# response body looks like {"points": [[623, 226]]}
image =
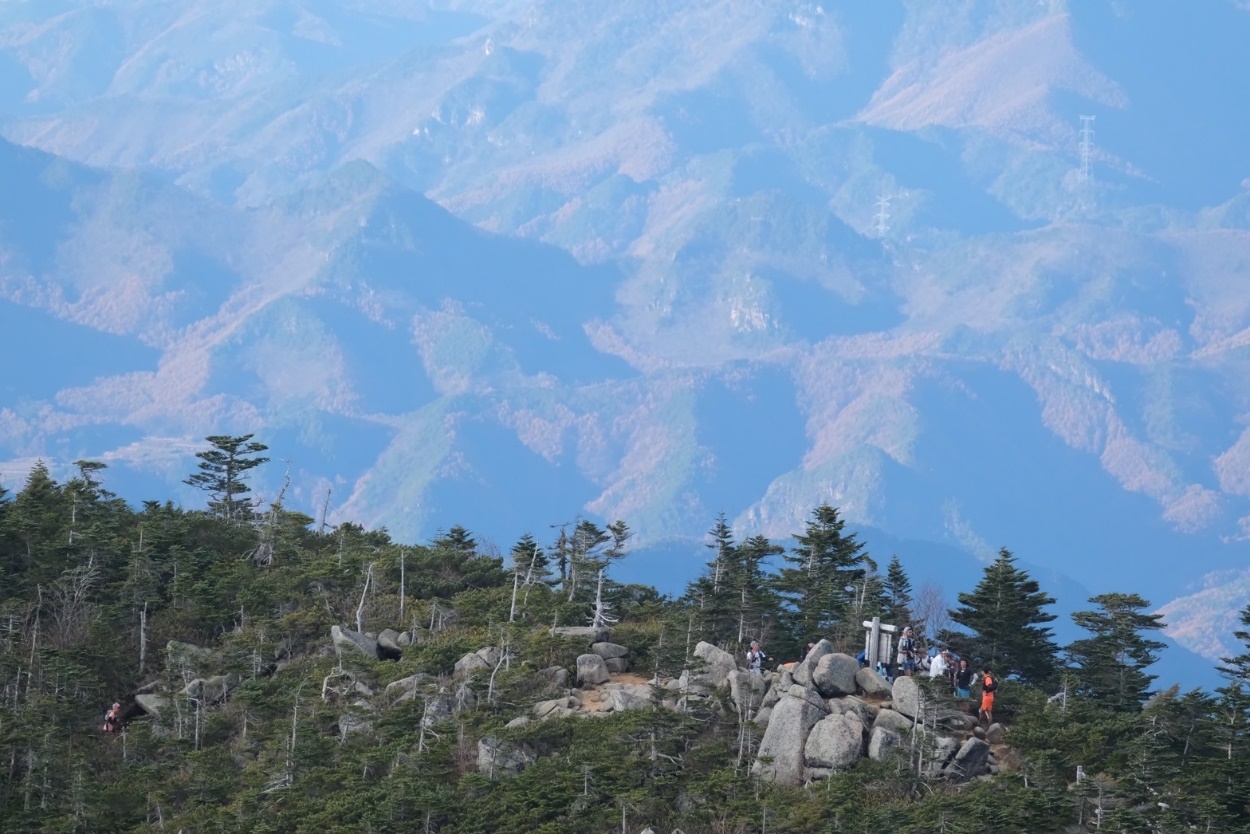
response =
{"points": [[825, 713], [388, 644], [205, 689]]}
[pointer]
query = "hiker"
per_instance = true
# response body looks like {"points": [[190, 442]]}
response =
{"points": [[113, 719], [755, 656], [963, 679], [907, 652], [988, 687], [862, 657], [937, 665]]}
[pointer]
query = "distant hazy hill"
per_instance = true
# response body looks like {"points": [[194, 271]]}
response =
{"points": [[1002, 353]]}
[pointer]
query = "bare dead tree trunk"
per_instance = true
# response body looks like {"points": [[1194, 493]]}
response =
{"points": [[360, 609], [325, 509], [143, 636]]}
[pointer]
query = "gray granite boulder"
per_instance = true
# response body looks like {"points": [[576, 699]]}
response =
{"points": [[591, 670], [834, 675], [809, 695], [718, 663], [835, 743], [906, 697], [496, 758], [389, 640], [470, 663], [881, 742], [970, 761], [804, 669], [345, 638], [780, 755], [872, 684], [893, 721], [617, 665], [608, 650], [587, 633], [996, 733], [746, 688]]}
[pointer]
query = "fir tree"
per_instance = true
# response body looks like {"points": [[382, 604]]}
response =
{"points": [[712, 594], [818, 572], [223, 475], [1005, 621], [898, 593], [1111, 662]]}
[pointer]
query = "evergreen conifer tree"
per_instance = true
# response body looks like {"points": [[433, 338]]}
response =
{"points": [[897, 593], [818, 572], [223, 475], [1005, 619], [1111, 662], [713, 594]]}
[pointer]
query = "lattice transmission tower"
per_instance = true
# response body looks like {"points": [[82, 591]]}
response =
{"points": [[1087, 148], [883, 216]]}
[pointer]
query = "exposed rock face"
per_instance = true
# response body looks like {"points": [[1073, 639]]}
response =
{"points": [[211, 690], [835, 743], [881, 742], [834, 675], [389, 643], [719, 663], [608, 650], [804, 670], [591, 670], [356, 720], [970, 761], [627, 698], [617, 665], [850, 705], [747, 690], [590, 635], [470, 663], [490, 655], [809, 695], [944, 749], [558, 675], [152, 704], [405, 689], [404, 639], [906, 697], [872, 684], [792, 719], [893, 721], [996, 733], [953, 719], [497, 758], [353, 641]]}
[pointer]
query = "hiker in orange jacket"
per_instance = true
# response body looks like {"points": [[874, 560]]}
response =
{"points": [[988, 687]]}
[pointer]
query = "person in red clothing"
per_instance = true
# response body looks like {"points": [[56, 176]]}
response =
{"points": [[988, 687]]}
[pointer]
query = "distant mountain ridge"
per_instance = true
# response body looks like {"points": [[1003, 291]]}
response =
{"points": [[808, 254]]}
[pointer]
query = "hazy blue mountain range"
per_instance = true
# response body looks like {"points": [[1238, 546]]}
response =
{"points": [[502, 262]]}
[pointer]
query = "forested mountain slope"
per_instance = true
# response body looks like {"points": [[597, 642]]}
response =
{"points": [[276, 674]]}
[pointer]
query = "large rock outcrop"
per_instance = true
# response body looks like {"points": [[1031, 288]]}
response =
{"points": [[781, 752], [746, 688], [496, 758], [353, 641]]}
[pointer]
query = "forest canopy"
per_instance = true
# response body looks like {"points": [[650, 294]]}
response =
{"points": [[276, 673]]}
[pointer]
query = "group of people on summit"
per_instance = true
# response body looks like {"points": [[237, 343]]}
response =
{"points": [[938, 662]]}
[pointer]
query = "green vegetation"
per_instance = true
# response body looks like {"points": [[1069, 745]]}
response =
{"points": [[265, 726]]}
